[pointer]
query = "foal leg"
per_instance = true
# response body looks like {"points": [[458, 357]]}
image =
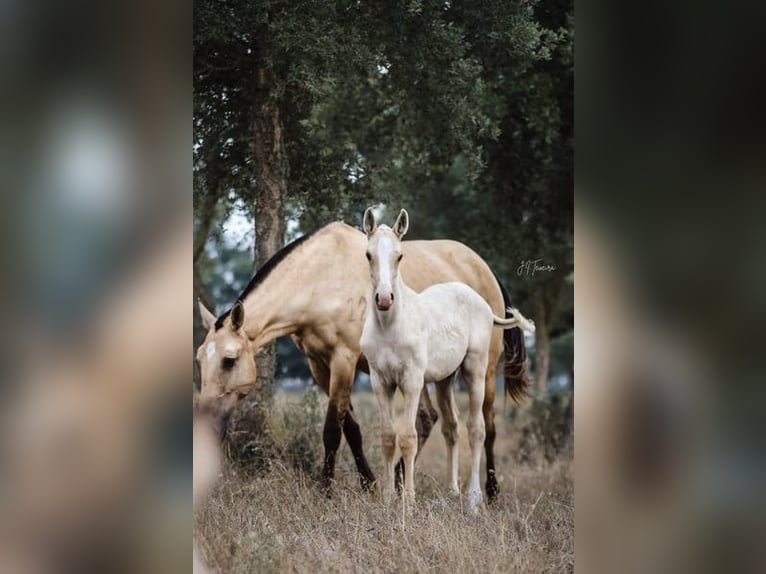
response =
{"points": [[427, 417], [351, 430], [408, 438], [385, 394], [445, 399], [474, 370]]}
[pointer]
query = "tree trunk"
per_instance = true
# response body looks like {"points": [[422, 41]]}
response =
{"points": [[199, 291], [542, 345], [271, 172]]}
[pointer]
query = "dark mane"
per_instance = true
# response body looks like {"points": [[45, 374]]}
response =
{"points": [[264, 272]]}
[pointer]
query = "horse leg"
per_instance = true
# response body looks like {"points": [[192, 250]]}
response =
{"points": [[474, 371], [408, 438], [427, 417], [351, 430], [445, 399], [488, 409], [385, 394], [353, 435], [341, 379]]}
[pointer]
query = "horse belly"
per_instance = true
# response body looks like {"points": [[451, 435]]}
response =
{"points": [[447, 347], [448, 308]]}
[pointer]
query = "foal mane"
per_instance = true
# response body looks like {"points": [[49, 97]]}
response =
{"points": [[266, 270]]}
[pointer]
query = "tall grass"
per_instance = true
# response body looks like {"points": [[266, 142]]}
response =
{"points": [[278, 520]]}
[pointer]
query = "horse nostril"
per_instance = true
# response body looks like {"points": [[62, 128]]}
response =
{"points": [[392, 297], [377, 298]]}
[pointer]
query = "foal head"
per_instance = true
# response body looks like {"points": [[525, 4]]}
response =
{"points": [[226, 362], [384, 252]]}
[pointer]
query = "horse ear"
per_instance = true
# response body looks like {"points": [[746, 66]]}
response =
{"points": [[237, 316], [208, 319], [369, 222], [402, 224]]}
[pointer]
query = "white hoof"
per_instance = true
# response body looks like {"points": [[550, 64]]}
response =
{"points": [[474, 500]]}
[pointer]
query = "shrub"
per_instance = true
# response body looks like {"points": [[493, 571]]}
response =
{"points": [[283, 431], [546, 427]]}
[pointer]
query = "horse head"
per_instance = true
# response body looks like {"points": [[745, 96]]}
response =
{"points": [[226, 360], [384, 253]]}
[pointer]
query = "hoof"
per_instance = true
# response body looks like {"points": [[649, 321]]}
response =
{"points": [[326, 486], [474, 500], [491, 486], [367, 484]]}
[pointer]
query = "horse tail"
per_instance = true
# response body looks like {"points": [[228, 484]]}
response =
{"points": [[516, 320], [515, 368]]}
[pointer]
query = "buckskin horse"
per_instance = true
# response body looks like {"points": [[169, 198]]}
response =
{"points": [[315, 289], [410, 339]]}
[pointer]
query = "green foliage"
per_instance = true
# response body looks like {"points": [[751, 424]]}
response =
{"points": [[375, 97]]}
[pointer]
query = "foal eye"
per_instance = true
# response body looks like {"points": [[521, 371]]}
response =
{"points": [[369, 257], [400, 257], [228, 363]]}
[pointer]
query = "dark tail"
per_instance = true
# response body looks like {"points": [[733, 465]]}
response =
{"points": [[515, 368]]}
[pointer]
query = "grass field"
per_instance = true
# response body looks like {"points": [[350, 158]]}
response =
{"points": [[279, 521]]}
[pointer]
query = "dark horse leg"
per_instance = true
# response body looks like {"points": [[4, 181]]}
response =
{"points": [[340, 418], [488, 409], [427, 417], [353, 435]]}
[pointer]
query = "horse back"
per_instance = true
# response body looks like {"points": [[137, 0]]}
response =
{"points": [[427, 263]]}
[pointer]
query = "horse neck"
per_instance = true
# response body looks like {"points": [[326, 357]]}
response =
{"points": [[273, 309]]}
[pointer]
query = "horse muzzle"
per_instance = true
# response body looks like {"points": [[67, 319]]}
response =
{"points": [[384, 302]]}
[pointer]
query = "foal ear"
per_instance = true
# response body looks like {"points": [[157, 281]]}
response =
{"points": [[369, 222], [237, 316], [208, 319], [402, 224]]}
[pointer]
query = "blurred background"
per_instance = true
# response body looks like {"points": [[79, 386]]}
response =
{"points": [[671, 175], [95, 180]]}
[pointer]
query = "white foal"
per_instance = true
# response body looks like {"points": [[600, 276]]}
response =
{"points": [[410, 339]]}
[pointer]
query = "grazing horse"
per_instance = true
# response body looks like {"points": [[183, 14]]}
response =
{"points": [[410, 339], [315, 289]]}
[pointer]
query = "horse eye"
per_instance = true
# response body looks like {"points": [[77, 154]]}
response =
{"points": [[228, 363], [369, 257], [400, 257]]}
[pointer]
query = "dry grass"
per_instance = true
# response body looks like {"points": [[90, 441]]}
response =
{"points": [[279, 521]]}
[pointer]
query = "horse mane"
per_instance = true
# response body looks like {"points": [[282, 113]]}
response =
{"points": [[516, 381], [266, 270]]}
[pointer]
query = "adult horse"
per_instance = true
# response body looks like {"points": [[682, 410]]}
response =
{"points": [[315, 289]]}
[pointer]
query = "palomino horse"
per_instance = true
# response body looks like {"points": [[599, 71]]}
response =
{"points": [[315, 289], [410, 339]]}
